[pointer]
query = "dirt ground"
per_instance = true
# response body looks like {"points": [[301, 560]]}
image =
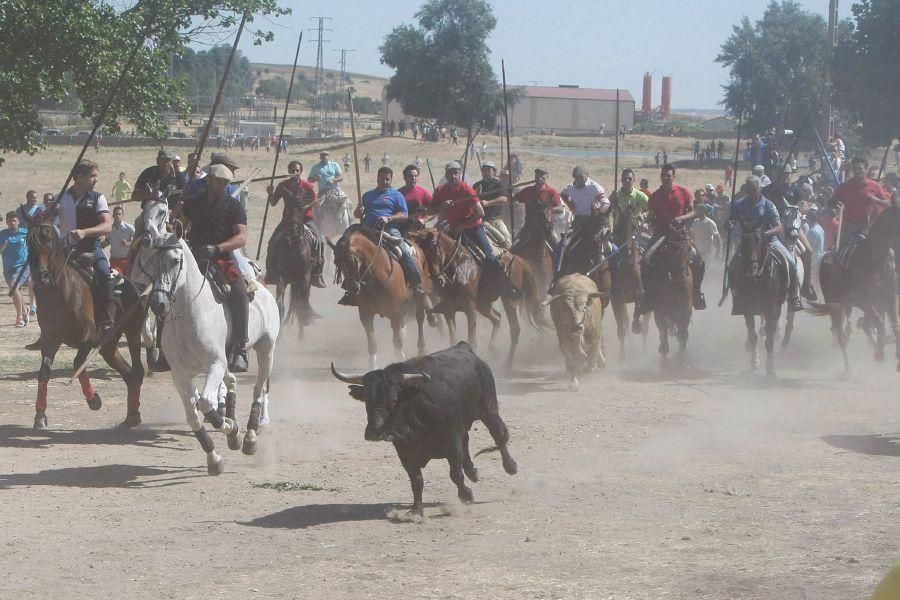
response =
{"points": [[711, 483]]}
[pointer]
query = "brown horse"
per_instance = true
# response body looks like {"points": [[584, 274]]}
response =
{"points": [[462, 288], [868, 282], [376, 276], [532, 246], [290, 262], [66, 316], [670, 282], [626, 272]]}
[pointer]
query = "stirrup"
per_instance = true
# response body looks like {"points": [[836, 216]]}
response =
{"points": [[348, 300], [700, 301]]}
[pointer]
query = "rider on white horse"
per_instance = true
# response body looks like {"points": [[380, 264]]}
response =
{"points": [[327, 175], [218, 228]]}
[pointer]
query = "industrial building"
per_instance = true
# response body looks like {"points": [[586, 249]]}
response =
{"points": [[562, 110]]}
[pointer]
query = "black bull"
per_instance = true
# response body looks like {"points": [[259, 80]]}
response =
{"points": [[426, 406]]}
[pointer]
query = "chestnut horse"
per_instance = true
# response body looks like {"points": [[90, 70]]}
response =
{"points": [[462, 289], [670, 282], [376, 276], [66, 316], [532, 246], [869, 282]]}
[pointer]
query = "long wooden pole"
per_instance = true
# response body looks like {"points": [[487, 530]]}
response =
{"points": [[615, 185], [287, 102], [737, 154], [201, 143], [355, 154], [884, 159], [512, 208], [109, 99]]}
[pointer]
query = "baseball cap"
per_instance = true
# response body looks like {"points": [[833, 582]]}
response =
{"points": [[759, 169], [453, 166], [541, 171], [219, 171], [165, 153], [488, 164]]}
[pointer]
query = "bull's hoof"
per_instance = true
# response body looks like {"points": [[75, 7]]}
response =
{"points": [[131, 421], [215, 464], [636, 328], [510, 466], [465, 495], [234, 438], [250, 444], [40, 419], [472, 473], [95, 402]]}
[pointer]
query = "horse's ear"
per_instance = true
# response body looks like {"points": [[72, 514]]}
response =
{"points": [[178, 226], [330, 244]]}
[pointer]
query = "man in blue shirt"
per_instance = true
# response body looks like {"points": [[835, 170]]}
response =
{"points": [[325, 173], [385, 208], [14, 250], [29, 212], [755, 212]]}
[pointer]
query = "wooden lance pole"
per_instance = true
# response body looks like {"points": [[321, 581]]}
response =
{"points": [[512, 208], [287, 102], [615, 185], [355, 155]]}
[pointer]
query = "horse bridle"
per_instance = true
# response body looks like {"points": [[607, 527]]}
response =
{"points": [[45, 277], [154, 286], [443, 265]]}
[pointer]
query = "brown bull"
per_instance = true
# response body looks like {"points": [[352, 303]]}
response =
{"points": [[578, 316], [381, 287]]}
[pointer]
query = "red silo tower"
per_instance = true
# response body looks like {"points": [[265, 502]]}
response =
{"points": [[647, 101], [666, 103]]}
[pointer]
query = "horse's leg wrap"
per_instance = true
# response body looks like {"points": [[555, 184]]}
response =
{"points": [[230, 404], [214, 418], [253, 421], [87, 388], [41, 404], [205, 440]]}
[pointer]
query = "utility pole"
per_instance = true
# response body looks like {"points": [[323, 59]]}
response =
{"points": [[339, 87], [319, 120]]}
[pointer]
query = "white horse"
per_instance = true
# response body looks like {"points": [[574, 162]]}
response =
{"points": [[194, 339]]}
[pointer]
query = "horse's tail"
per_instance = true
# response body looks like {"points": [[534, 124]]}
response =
{"points": [[531, 308], [299, 305], [825, 309]]}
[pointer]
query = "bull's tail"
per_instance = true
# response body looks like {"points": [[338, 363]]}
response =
{"points": [[531, 307]]}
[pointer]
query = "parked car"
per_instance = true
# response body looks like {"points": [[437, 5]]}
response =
{"points": [[52, 132]]}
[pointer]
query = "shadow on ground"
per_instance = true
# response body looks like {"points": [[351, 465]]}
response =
{"points": [[17, 436], [104, 476], [879, 444], [312, 515], [62, 372]]}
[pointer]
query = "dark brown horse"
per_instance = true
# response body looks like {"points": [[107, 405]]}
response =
{"points": [[532, 246], [626, 272], [462, 288], [290, 263], [669, 281], [868, 281], [66, 316], [376, 276], [759, 283]]}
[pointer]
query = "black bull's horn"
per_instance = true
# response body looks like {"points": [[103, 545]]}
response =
{"points": [[354, 379]]}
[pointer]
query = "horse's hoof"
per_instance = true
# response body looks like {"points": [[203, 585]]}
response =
{"points": [[510, 466], [95, 402], [879, 354], [131, 421], [215, 464], [40, 419], [250, 444], [234, 438], [573, 385], [636, 328]]}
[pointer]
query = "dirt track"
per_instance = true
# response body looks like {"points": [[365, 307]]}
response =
{"points": [[641, 485]]}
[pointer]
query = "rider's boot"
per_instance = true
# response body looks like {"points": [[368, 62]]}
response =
{"points": [[806, 289], [240, 316], [319, 265]]}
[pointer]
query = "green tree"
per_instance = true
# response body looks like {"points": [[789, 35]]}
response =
{"points": [[442, 65], [788, 55], [866, 77], [364, 104], [202, 71], [276, 87], [60, 45]]}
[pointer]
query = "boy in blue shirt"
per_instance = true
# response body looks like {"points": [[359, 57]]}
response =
{"points": [[14, 250]]}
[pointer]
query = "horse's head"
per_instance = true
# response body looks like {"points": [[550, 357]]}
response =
{"points": [[753, 250], [45, 252], [159, 263], [155, 213], [675, 253]]}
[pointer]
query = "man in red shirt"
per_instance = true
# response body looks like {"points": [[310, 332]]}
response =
{"points": [[862, 199], [418, 199], [538, 199], [671, 203], [299, 201], [461, 207]]}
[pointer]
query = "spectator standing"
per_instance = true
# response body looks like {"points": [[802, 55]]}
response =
{"points": [[29, 212], [729, 175], [705, 234], [14, 250], [385, 160], [119, 241], [367, 162], [121, 189]]}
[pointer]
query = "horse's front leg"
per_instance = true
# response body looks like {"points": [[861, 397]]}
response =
{"points": [[208, 403], [133, 377], [93, 399], [48, 353], [398, 327], [420, 324], [620, 312], [280, 289], [663, 328], [215, 464], [788, 328], [878, 325], [771, 330], [515, 330], [471, 321], [752, 340], [368, 322], [892, 312]]}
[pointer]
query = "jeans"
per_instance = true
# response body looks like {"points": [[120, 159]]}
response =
{"points": [[410, 268], [478, 236]]}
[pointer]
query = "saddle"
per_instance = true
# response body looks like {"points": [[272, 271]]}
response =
{"points": [[84, 266], [845, 253], [392, 245], [223, 273]]}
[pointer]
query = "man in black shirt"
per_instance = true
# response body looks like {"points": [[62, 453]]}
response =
{"points": [[493, 197], [218, 228], [160, 177]]}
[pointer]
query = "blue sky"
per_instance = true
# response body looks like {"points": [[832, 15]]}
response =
{"points": [[591, 43]]}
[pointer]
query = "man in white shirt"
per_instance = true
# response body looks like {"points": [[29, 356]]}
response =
{"points": [[119, 241], [585, 197]]}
